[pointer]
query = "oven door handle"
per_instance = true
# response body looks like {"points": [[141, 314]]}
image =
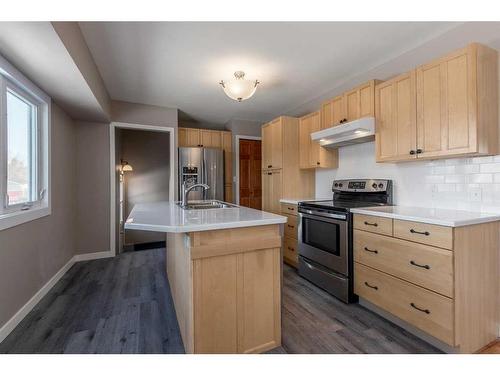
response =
{"points": [[312, 214]]}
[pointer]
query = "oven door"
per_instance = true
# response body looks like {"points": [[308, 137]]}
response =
{"points": [[323, 238]]}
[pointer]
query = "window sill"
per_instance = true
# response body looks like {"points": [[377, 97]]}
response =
{"points": [[20, 217]]}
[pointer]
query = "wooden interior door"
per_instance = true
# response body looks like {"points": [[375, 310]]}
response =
{"points": [[250, 184]]}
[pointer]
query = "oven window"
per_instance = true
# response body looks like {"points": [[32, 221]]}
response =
{"points": [[322, 235]]}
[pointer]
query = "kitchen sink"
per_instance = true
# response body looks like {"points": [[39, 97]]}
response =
{"points": [[205, 205]]}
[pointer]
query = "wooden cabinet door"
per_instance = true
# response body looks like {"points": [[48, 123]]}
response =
{"points": [[271, 191], [216, 139], [351, 101], [272, 145], [446, 97], [206, 138], [367, 99], [395, 113], [327, 114], [182, 137], [267, 146], [192, 137], [338, 110], [305, 142]]}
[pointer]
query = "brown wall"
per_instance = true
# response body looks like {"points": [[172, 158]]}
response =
{"points": [[31, 253]]}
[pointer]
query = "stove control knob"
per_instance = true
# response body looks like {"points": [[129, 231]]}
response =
{"points": [[381, 185], [374, 185], [336, 184], [340, 185]]}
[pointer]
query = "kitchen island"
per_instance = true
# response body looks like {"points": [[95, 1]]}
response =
{"points": [[224, 271]]}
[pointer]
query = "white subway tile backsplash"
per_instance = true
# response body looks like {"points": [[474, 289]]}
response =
{"points": [[483, 178], [490, 168], [460, 183]]}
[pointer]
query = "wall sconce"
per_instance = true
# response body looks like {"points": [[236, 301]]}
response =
{"points": [[125, 167]]}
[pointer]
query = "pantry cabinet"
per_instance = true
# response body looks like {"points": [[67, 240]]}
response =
{"points": [[445, 108], [280, 142], [311, 154]]}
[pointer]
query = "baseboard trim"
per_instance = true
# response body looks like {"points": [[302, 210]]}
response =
{"points": [[12, 323], [92, 256]]}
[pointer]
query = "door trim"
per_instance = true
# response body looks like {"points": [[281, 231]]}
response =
{"points": [[237, 162], [112, 169]]}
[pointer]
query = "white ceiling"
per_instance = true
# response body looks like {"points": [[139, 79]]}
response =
{"points": [[180, 64]]}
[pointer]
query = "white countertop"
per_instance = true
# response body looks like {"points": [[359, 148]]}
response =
{"points": [[169, 217], [296, 200], [438, 216]]}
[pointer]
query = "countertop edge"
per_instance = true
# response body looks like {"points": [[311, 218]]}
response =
{"points": [[203, 227], [446, 223]]}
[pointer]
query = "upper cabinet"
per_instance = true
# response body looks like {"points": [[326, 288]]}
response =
{"points": [[448, 107], [395, 107], [210, 138], [189, 137], [311, 154], [272, 144], [352, 105]]}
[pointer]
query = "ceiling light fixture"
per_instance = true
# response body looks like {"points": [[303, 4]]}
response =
{"points": [[239, 88]]}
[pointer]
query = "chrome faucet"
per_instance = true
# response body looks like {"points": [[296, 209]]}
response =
{"points": [[186, 190]]}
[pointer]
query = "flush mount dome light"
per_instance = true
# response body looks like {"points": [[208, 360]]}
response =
{"points": [[239, 88]]}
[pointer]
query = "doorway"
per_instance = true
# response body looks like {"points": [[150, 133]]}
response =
{"points": [[142, 171], [250, 181]]}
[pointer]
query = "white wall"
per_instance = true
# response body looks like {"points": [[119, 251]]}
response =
{"points": [[466, 183]]}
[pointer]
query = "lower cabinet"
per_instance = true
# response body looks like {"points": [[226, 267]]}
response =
{"points": [[440, 279], [290, 244]]}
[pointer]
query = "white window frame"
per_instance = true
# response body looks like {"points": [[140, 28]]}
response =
{"points": [[12, 215]]}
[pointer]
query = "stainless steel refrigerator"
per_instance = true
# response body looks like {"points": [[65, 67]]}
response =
{"points": [[201, 165]]}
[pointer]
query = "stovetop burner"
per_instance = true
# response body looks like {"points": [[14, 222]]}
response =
{"points": [[340, 205]]}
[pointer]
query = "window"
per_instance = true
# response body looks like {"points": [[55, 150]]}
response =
{"points": [[24, 168]]}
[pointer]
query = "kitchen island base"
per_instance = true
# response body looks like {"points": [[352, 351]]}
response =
{"points": [[226, 288]]}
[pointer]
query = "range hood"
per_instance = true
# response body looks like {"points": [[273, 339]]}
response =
{"points": [[350, 133]]}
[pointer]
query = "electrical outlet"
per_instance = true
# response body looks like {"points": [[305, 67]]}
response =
{"points": [[475, 195]]}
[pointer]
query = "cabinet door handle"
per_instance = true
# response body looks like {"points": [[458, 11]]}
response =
{"points": [[371, 286], [417, 232], [290, 226], [419, 151], [318, 163], [372, 224], [269, 173], [412, 152], [269, 166], [371, 251], [291, 248], [426, 266], [419, 309]]}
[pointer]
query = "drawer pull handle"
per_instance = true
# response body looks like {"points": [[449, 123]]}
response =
{"points": [[371, 251], [269, 173], [291, 208], [417, 232], [291, 248], [419, 309], [269, 166], [426, 266], [371, 286], [290, 226], [372, 224]]}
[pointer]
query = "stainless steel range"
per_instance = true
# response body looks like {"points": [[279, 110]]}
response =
{"points": [[325, 233]]}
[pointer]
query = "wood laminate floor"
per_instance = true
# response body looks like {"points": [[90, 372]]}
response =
{"points": [[123, 305]]}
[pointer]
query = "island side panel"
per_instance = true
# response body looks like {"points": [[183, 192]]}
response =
{"points": [[180, 278], [477, 282], [237, 289]]}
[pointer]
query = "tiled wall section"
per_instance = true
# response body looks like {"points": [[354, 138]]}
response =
{"points": [[465, 183]]}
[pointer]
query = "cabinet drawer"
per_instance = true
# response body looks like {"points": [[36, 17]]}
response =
{"points": [[289, 209], [426, 310], [373, 224], [290, 251], [435, 235], [429, 267], [291, 226]]}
